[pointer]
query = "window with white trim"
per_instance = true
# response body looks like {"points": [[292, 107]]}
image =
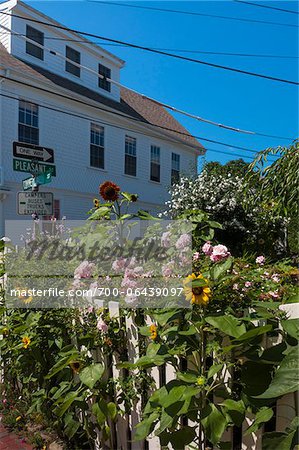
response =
{"points": [[97, 149], [75, 56], [175, 168], [130, 156], [38, 37], [155, 163], [106, 73], [28, 123]]}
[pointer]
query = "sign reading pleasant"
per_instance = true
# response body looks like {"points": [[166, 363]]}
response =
{"points": [[40, 203], [20, 165], [31, 151]]}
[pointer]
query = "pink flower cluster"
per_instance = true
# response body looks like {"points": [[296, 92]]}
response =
{"points": [[260, 260], [102, 326], [84, 270], [216, 253], [183, 242]]}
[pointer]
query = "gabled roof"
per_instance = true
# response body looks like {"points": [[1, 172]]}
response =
{"points": [[132, 104]]}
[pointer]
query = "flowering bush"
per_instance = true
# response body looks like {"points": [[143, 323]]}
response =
{"points": [[220, 191]]}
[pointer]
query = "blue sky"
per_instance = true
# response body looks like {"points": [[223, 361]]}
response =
{"points": [[225, 97]]}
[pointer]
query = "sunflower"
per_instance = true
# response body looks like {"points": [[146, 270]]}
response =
{"points": [[26, 341], [198, 295], [75, 366], [96, 203], [153, 331], [109, 191]]}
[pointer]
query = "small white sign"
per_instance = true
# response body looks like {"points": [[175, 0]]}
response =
{"points": [[40, 203]]}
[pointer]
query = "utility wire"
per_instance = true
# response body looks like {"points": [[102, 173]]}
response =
{"points": [[148, 49], [251, 55], [172, 108], [266, 6], [130, 118], [102, 122], [193, 13]]}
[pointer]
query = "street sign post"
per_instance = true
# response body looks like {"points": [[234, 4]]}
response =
{"points": [[34, 167], [35, 152], [40, 203]]}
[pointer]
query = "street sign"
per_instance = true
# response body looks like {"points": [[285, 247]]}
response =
{"points": [[32, 182], [40, 203], [29, 183], [20, 165], [43, 178], [31, 151]]}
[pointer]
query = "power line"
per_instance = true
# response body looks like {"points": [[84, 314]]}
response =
{"points": [[102, 122], [172, 108], [171, 55], [266, 6], [251, 55], [144, 122], [193, 13]]}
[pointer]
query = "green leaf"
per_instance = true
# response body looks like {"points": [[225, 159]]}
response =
{"points": [[214, 423], [62, 364], [291, 326], [227, 324], [71, 428], [187, 377], [91, 374], [236, 410], [286, 378], [112, 410], [144, 215], [99, 413], [179, 439], [277, 440], [145, 427], [262, 416], [251, 334], [215, 368], [69, 399], [220, 269], [102, 211]]}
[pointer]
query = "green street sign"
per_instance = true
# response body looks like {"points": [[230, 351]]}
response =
{"points": [[44, 178], [21, 165]]}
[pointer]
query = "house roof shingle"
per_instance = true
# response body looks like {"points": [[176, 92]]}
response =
{"points": [[131, 103]]}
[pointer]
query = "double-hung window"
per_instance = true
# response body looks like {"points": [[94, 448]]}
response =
{"points": [[74, 56], [175, 168], [103, 82], [97, 150], [130, 156], [155, 163], [37, 36], [28, 123]]}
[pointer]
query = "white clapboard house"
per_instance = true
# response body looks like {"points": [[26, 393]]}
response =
{"points": [[59, 113]]}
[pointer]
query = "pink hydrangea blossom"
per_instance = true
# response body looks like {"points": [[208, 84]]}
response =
{"points": [[248, 284], [274, 294], [165, 239], [235, 286], [207, 248], [196, 256], [84, 270], [166, 271], [260, 260], [119, 264], [102, 326], [183, 241], [275, 278], [219, 253]]}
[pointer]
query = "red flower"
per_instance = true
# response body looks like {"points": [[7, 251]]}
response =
{"points": [[109, 191]]}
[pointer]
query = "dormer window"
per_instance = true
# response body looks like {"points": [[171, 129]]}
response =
{"points": [[31, 48], [106, 73], [75, 56]]}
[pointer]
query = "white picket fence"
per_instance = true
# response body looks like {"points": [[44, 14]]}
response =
{"points": [[124, 428]]}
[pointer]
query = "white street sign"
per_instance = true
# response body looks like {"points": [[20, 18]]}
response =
{"points": [[40, 203]]}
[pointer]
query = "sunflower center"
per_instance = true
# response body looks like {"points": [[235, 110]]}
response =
{"points": [[110, 192], [197, 290]]}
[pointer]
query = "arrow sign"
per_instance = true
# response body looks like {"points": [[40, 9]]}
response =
{"points": [[30, 151], [40, 203]]}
